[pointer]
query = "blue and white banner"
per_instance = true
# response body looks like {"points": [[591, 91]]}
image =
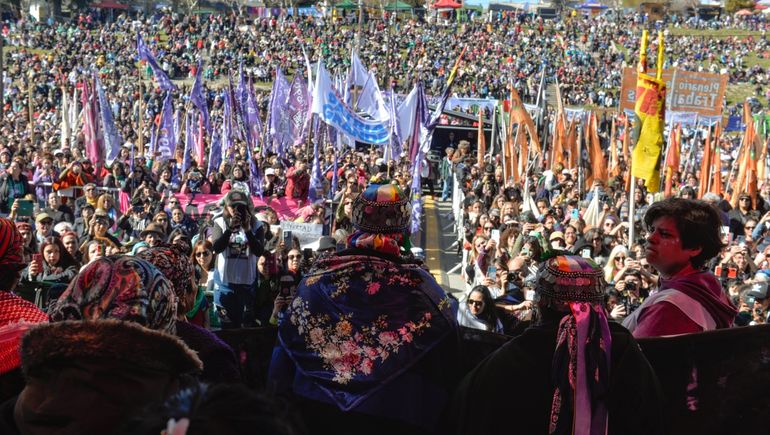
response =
{"points": [[112, 139], [331, 108]]}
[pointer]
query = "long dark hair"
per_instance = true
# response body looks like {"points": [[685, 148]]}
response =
{"points": [[65, 258], [207, 245], [488, 314]]}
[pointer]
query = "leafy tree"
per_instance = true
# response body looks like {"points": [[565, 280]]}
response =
{"points": [[732, 6]]}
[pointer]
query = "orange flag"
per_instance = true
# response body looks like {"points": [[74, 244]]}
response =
{"points": [[614, 168], [523, 150], [571, 145], [481, 148], [672, 157], [558, 141], [519, 115], [626, 152], [747, 174], [705, 166], [716, 168], [595, 154]]}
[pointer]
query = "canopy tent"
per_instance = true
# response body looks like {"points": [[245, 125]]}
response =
{"points": [[107, 4], [744, 12], [347, 5], [398, 6], [446, 4]]}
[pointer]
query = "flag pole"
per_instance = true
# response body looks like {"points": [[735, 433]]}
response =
{"points": [[140, 136]]}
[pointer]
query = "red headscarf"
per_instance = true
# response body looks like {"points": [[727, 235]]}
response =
{"points": [[11, 246]]}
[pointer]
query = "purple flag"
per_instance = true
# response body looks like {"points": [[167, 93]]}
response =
{"points": [[177, 125], [253, 125], [235, 110], [333, 189], [278, 120], [215, 154], [227, 124], [241, 92], [189, 141], [112, 139], [420, 133], [153, 143], [255, 183], [199, 99], [166, 138], [297, 109], [145, 54], [395, 140]]}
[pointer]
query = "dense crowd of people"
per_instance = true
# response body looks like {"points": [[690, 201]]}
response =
{"points": [[119, 262]]}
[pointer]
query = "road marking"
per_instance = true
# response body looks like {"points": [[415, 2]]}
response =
{"points": [[432, 236]]}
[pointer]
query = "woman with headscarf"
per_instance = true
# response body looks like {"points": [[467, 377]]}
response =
{"points": [[219, 363], [600, 383], [108, 352], [369, 334]]}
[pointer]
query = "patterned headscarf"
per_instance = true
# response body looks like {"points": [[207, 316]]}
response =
{"points": [[11, 246], [580, 368], [381, 216], [119, 287], [173, 264]]}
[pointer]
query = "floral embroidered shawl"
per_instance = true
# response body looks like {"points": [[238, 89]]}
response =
{"points": [[360, 321]]}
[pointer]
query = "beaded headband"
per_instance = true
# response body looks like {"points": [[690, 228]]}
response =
{"points": [[571, 278], [381, 209]]}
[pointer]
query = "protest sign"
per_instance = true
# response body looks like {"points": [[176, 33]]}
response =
{"points": [[686, 91], [307, 234]]}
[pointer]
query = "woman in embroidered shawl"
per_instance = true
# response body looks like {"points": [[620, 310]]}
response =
{"points": [[369, 343]]}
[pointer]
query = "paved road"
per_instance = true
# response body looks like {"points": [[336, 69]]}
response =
{"points": [[439, 245]]}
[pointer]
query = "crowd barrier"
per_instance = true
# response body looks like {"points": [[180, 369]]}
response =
{"points": [[713, 382]]}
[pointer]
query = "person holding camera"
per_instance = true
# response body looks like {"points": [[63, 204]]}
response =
{"points": [[195, 182], [238, 240], [683, 236]]}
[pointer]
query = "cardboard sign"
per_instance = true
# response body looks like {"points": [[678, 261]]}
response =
{"points": [[686, 91], [307, 234]]}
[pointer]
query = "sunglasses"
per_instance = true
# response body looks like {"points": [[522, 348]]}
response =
{"points": [[489, 228], [620, 258], [745, 199], [294, 257], [161, 220], [202, 253], [475, 303], [749, 228]]}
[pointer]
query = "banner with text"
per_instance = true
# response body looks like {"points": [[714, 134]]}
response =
{"points": [[686, 91]]}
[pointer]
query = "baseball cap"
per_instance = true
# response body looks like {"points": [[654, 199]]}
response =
{"points": [[269, 171], [556, 235], [43, 216], [235, 197]]}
